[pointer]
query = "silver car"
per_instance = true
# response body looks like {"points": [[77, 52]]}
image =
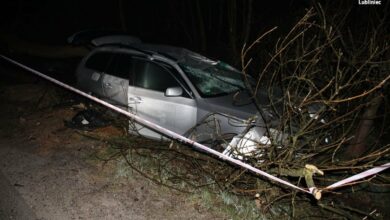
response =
{"points": [[185, 92], [173, 87]]}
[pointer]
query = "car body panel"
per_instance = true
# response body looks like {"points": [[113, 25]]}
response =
{"points": [[235, 104], [115, 89], [177, 114], [90, 80]]}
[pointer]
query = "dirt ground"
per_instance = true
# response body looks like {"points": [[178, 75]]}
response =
{"points": [[50, 171], [46, 171]]}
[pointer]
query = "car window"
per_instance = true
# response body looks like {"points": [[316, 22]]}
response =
{"points": [[215, 80], [99, 61], [120, 66], [179, 78], [149, 75]]}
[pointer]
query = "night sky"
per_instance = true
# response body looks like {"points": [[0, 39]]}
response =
{"points": [[172, 22], [203, 26]]}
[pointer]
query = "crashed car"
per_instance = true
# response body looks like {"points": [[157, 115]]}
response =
{"points": [[183, 91]]}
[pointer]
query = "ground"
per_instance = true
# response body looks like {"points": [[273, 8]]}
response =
{"points": [[47, 170], [50, 171]]}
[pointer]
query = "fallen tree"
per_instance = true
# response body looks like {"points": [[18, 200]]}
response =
{"points": [[327, 83]]}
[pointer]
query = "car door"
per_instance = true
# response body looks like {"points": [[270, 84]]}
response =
{"points": [[148, 100], [91, 71], [115, 81]]}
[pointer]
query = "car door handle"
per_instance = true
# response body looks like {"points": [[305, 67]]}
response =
{"points": [[107, 85], [135, 100]]}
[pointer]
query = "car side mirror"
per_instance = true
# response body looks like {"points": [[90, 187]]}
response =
{"points": [[173, 91]]}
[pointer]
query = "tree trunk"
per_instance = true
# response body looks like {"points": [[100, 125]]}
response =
{"points": [[122, 16], [232, 21], [247, 20], [202, 31], [359, 145]]}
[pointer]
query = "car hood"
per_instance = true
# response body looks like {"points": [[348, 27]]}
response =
{"points": [[240, 105]]}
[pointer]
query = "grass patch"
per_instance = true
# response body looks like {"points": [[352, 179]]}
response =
{"points": [[180, 168], [233, 206]]}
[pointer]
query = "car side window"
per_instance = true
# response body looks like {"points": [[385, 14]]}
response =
{"points": [[120, 66], [99, 61], [149, 75]]}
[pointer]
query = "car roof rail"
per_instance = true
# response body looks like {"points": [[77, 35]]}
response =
{"points": [[99, 37], [146, 52], [85, 36], [115, 39]]}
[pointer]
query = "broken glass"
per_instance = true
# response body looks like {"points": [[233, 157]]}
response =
{"points": [[215, 80]]}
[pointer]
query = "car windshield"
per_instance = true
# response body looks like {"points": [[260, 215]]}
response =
{"points": [[215, 80]]}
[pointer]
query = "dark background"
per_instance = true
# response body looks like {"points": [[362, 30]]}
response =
{"points": [[215, 28], [162, 21]]}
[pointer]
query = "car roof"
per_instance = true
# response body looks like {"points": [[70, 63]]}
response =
{"points": [[178, 54], [117, 39], [113, 38]]}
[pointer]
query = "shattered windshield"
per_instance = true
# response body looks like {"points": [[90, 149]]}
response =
{"points": [[215, 80]]}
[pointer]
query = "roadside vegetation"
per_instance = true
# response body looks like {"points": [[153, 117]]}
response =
{"points": [[327, 82], [323, 61]]}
